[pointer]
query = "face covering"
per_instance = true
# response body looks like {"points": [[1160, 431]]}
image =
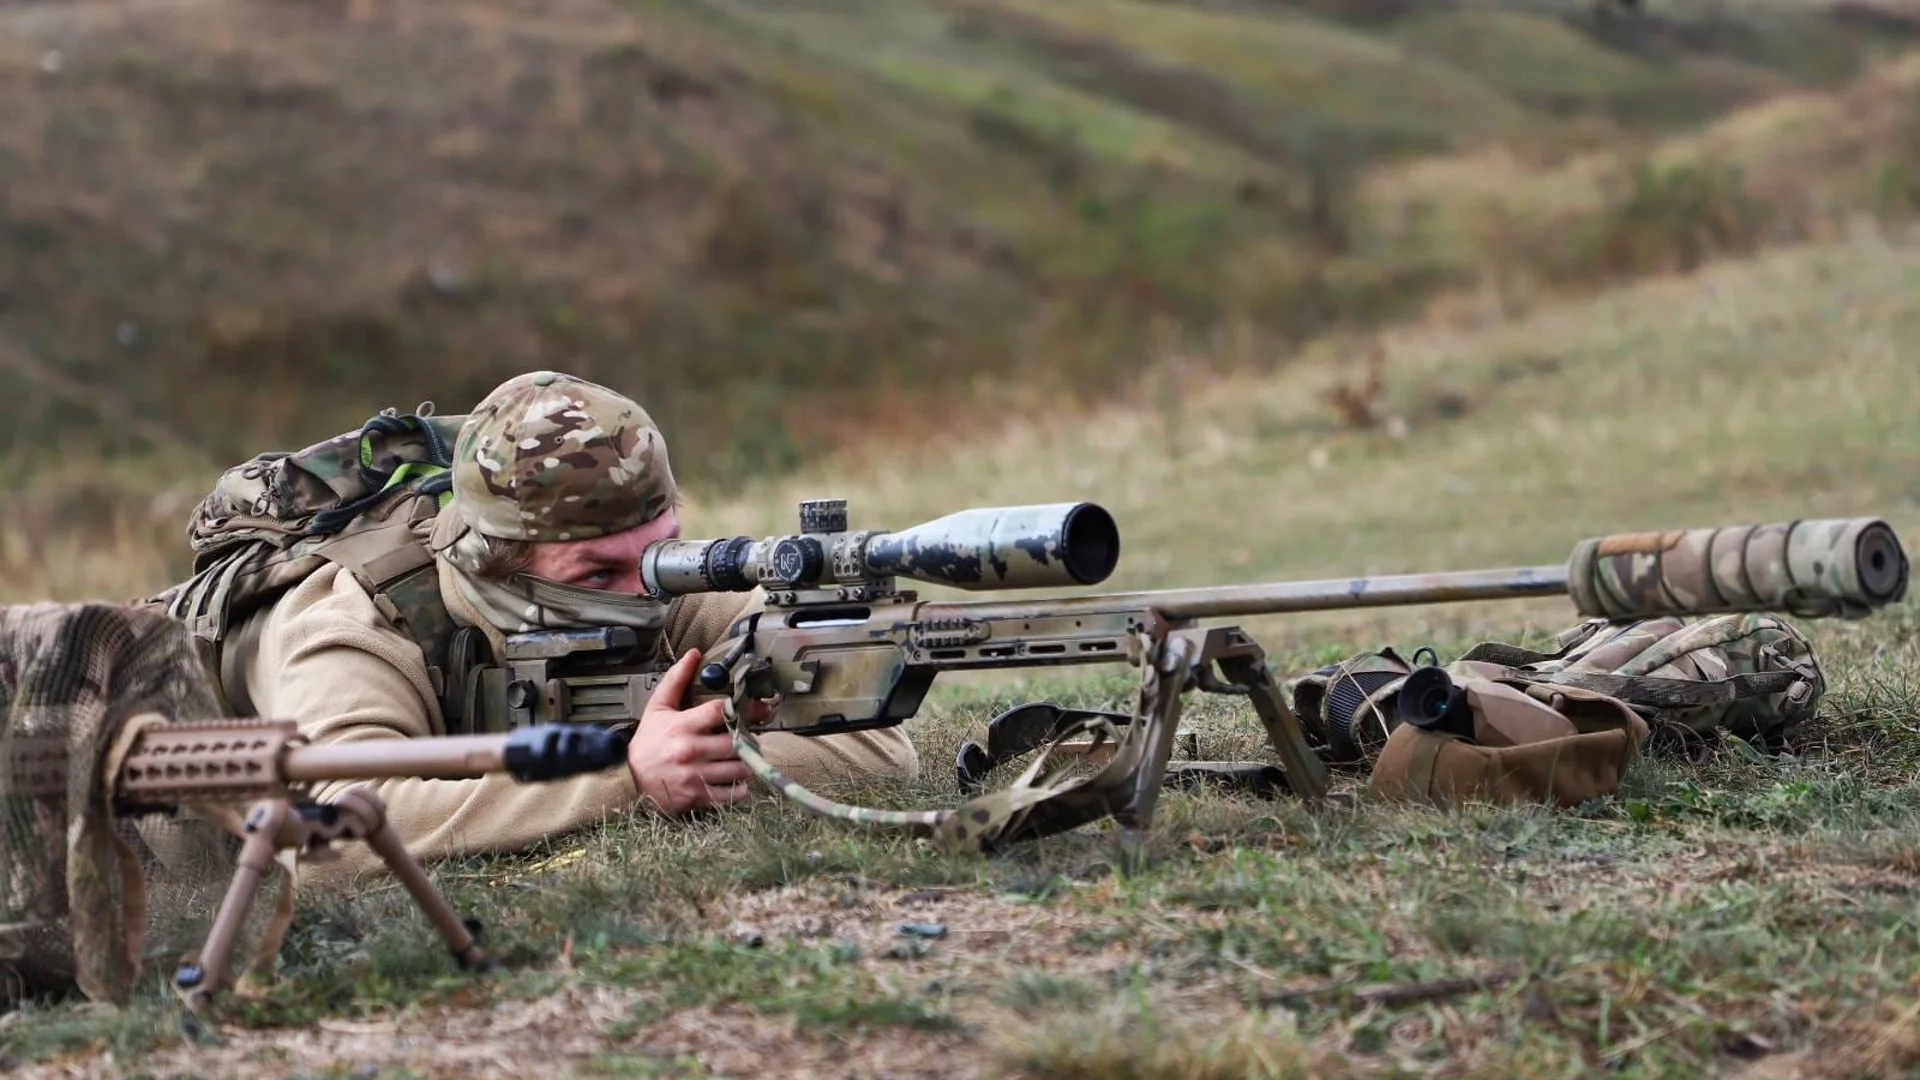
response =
{"points": [[522, 602]]}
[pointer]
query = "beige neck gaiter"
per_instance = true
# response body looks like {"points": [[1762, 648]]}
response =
{"points": [[522, 602]]}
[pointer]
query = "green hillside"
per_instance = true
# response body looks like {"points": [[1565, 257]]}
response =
{"points": [[786, 227]]}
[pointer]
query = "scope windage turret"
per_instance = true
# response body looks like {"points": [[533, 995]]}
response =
{"points": [[1843, 567], [1008, 547]]}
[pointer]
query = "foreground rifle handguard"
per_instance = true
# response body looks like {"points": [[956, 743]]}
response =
{"points": [[844, 649]]}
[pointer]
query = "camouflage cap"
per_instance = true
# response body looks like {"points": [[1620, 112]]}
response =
{"points": [[548, 456]]}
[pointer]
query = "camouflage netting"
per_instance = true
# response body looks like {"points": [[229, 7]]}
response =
{"points": [[90, 899]]}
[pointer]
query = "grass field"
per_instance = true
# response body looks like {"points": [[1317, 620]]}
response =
{"points": [[1749, 914]]}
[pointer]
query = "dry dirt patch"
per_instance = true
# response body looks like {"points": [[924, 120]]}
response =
{"points": [[508, 1039]]}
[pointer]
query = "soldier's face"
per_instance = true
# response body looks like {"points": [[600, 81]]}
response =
{"points": [[610, 562]]}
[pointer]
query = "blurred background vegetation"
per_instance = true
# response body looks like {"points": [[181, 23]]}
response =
{"points": [[829, 226]]}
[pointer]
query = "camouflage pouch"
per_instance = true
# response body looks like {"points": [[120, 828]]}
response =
{"points": [[1754, 676], [1751, 675], [1510, 741]]}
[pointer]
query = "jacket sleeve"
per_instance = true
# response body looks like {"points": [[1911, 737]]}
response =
{"points": [[329, 660], [702, 620]]}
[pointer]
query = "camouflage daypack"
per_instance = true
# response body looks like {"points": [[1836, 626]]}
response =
{"points": [[1752, 675], [359, 500]]}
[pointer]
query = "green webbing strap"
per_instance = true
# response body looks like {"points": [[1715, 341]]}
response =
{"points": [[434, 473], [408, 470]]}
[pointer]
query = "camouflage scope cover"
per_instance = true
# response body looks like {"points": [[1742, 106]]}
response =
{"points": [[1811, 569], [548, 456]]}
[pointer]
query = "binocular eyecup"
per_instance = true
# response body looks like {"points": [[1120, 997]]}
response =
{"points": [[1429, 700]]}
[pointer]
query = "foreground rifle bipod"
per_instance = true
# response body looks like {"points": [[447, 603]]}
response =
{"points": [[214, 765]]}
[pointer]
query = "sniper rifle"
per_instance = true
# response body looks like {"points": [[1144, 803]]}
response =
{"points": [[843, 648]]}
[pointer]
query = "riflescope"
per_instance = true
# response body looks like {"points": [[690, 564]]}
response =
{"points": [[1007, 547]]}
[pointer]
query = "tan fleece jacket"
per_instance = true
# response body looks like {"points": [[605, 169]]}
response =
{"points": [[328, 659]]}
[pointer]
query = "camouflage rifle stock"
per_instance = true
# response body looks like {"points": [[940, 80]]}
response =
{"points": [[844, 649], [214, 766]]}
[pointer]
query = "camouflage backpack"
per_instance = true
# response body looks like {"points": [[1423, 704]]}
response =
{"points": [[358, 500], [1752, 675]]}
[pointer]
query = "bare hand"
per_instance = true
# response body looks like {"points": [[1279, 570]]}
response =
{"points": [[683, 759]]}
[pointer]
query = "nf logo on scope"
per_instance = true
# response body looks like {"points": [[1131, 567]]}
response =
{"points": [[790, 560]]}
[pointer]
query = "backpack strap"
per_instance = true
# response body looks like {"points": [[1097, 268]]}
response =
{"points": [[1508, 656], [384, 555], [1497, 652], [391, 562]]}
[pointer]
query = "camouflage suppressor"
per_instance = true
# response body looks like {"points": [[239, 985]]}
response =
{"points": [[1822, 568]]}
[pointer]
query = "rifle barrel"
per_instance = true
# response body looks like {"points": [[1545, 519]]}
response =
{"points": [[452, 757], [529, 754], [1286, 597]]}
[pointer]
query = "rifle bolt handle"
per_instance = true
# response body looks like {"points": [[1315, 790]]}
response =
{"points": [[714, 677]]}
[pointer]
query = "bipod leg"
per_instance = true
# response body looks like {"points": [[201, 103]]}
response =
{"points": [[1165, 670], [269, 826], [277, 825], [1244, 663], [364, 814]]}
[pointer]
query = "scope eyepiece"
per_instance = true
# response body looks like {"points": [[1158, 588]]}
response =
{"points": [[1429, 699]]}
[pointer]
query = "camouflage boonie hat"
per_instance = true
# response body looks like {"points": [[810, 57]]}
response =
{"points": [[548, 456]]}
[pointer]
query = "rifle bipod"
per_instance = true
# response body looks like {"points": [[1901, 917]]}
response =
{"points": [[275, 825], [1024, 728], [1132, 756]]}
